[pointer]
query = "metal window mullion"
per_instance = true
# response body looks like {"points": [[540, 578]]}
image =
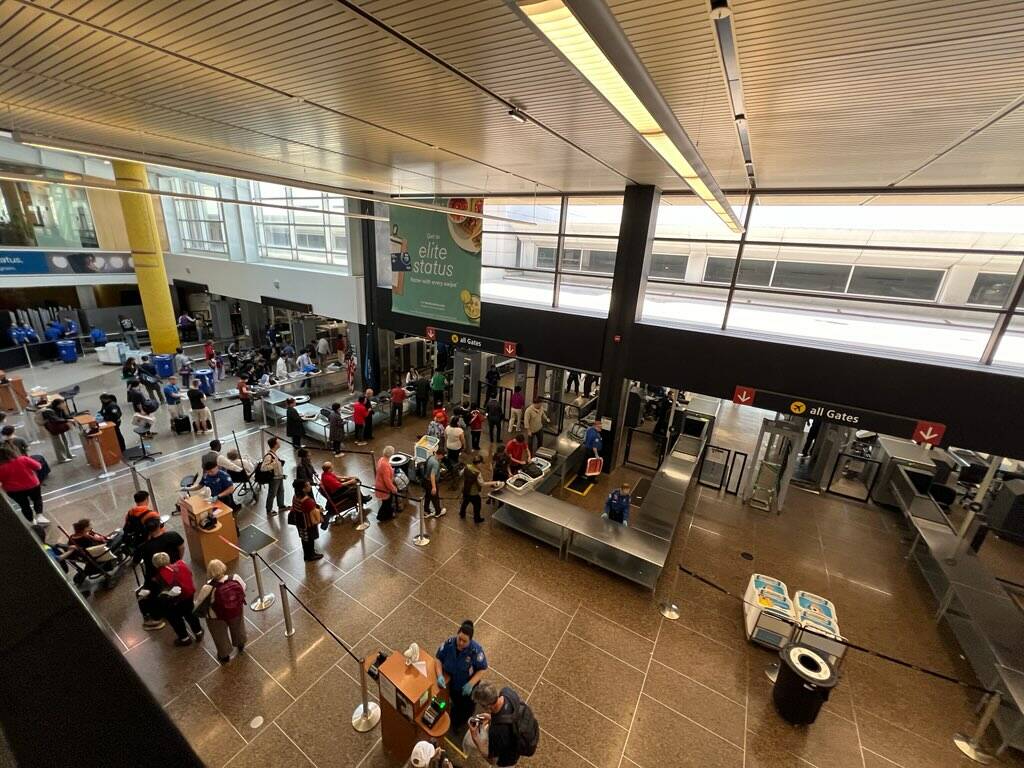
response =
{"points": [[739, 258], [563, 212], [1003, 319]]}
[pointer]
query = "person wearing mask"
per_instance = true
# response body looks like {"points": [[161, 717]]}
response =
{"points": [[431, 480], [494, 419], [293, 426], [463, 663], [411, 377], [492, 377], [517, 402], [371, 408], [506, 723], [20, 481], [245, 397], [8, 437], [616, 506], [336, 430], [422, 385], [273, 465], [384, 484], [472, 487], [475, 419], [397, 399], [593, 443], [304, 469], [572, 382], [137, 517], [343, 492], [219, 483], [111, 412], [281, 368], [131, 336], [454, 442], [323, 350], [518, 452], [306, 516], [438, 384], [222, 600], [183, 365], [172, 396], [304, 364], [202, 419], [57, 422], [150, 378], [534, 419], [178, 594], [359, 416]]}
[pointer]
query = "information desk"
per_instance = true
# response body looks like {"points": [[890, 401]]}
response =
{"points": [[404, 695], [206, 545]]}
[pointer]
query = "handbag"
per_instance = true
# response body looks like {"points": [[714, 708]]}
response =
{"points": [[263, 476], [56, 427]]}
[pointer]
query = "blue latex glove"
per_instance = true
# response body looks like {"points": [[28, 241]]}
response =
{"points": [[440, 681], [467, 689]]}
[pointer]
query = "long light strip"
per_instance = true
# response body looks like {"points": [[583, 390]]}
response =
{"points": [[32, 141], [557, 22], [28, 178]]}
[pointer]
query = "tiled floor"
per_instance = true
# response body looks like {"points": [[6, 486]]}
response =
{"points": [[613, 684]]}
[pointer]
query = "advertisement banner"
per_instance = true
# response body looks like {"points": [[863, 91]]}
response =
{"points": [[21, 262], [435, 262]]}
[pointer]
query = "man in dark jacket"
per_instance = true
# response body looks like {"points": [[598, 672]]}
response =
{"points": [[293, 423], [422, 392]]}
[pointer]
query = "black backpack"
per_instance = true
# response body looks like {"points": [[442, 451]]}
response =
{"points": [[523, 723]]}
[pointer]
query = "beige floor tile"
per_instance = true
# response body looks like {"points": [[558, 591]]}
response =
{"points": [[296, 662], [478, 575], [167, 670], [271, 747], [348, 619], [412, 622], [704, 660], [527, 619], [698, 702], [212, 737], [662, 738], [614, 638], [314, 576], [410, 560], [449, 600], [376, 585], [584, 730], [514, 660], [242, 691]]}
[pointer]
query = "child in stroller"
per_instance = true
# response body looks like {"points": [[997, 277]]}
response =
{"points": [[93, 555]]}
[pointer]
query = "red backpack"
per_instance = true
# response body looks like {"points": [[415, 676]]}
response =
{"points": [[228, 600], [181, 576]]}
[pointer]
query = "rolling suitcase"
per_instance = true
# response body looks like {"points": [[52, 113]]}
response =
{"points": [[181, 425]]}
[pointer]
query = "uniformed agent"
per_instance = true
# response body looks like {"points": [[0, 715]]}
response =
{"points": [[616, 508], [463, 663]]}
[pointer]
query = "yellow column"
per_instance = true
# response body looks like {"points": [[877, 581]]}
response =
{"points": [[144, 238]]}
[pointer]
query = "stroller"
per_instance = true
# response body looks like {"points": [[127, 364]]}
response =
{"points": [[100, 564]]}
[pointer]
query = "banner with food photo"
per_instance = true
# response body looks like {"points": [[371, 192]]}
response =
{"points": [[435, 262]]}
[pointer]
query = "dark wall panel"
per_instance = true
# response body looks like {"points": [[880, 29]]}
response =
{"points": [[573, 341], [982, 410]]}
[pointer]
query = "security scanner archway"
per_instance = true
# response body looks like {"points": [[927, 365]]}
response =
{"points": [[823, 445], [778, 444]]}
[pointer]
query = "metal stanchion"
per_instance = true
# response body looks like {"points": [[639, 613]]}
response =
{"points": [[135, 477], [289, 629], [263, 410], [152, 494], [668, 608], [971, 745], [362, 525], [264, 600], [421, 539], [367, 714], [28, 422], [103, 462], [213, 418]]}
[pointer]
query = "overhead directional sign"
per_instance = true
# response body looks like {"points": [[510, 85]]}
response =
{"points": [[473, 343], [929, 432]]}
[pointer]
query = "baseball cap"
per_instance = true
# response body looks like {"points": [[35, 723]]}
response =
{"points": [[421, 754]]}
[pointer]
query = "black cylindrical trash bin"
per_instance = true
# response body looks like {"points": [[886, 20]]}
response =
{"points": [[803, 685]]}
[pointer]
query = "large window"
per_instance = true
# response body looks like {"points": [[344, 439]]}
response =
{"points": [[549, 259], [991, 289], [200, 222], [300, 235]]}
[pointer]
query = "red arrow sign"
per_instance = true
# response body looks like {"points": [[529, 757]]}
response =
{"points": [[744, 395], [431, 333], [929, 432], [510, 348]]}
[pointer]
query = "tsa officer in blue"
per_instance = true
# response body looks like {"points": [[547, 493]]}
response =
{"points": [[463, 663], [616, 507]]}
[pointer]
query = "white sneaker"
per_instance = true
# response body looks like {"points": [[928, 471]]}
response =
{"points": [[338, 455], [40, 520], [442, 513], [430, 514]]}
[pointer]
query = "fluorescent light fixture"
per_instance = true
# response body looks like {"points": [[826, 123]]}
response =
{"points": [[725, 41], [588, 36], [517, 114]]}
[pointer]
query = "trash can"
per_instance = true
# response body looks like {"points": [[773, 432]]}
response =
{"points": [[164, 365], [205, 378], [805, 680], [67, 351]]}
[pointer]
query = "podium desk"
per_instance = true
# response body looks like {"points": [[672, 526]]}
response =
{"points": [[404, 695], [104, 439], [12, 394], [206, 545]]}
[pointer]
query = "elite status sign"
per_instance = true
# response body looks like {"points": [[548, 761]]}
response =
{"points": [[435, 262]]}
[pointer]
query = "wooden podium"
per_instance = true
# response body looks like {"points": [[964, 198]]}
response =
{"points": [[105, 440], [12, 393], [404, 696], [205, 545]]}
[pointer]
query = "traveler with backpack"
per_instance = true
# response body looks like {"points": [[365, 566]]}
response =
{"points": [[150, 378], [221, 601], [57, 421], [178, 597], [271, 474], [505, 730]]}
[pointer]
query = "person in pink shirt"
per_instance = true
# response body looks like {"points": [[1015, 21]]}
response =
{"points": [[19, 480], [359, 416], [517, 402], [397, 398], [384, 485]]}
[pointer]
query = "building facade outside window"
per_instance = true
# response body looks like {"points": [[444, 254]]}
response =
{"points": [[200, 222], [300, 235]]}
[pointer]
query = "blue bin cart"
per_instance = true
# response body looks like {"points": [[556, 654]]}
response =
{"points": [[164, 365], [205, 378], [67, 351]]}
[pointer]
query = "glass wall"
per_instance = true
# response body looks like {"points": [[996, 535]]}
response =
{"points": [[302, 235], [45, 215], [560, 253], [200, 222], [922, 281]]}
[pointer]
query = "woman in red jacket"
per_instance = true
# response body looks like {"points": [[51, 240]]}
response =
{"points": [[359, 415], [384, 484], [179, 597], [19, 480]]}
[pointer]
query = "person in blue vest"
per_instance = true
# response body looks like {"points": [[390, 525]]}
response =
{"points": [[593, 443], [616, 507], [463, 663]]}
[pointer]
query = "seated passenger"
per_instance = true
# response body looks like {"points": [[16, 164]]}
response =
{"points": [[339, 490]]}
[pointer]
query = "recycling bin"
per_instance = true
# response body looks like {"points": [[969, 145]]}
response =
{"points": [[67, 351], [205, 378], [164, 365]]}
